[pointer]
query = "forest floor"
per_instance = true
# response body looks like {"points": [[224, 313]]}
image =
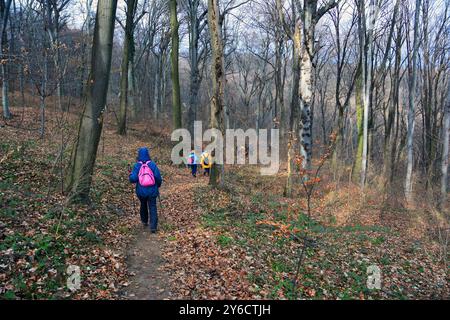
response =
{"points": [[212, 244]]}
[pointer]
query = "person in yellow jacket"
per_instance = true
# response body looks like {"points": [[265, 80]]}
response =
{"points": [[205, 161]]}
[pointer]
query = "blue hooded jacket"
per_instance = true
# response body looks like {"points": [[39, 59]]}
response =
{"points": [[144, 192]]}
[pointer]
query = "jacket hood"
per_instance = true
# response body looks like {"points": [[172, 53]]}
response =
{"points": [[143, 155]]}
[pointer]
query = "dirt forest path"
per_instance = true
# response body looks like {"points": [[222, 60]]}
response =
{"points": [[176, 211], [212, 244]]}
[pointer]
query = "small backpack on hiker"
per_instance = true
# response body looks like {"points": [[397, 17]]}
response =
{"points": [[206, 163], [146, 176]]}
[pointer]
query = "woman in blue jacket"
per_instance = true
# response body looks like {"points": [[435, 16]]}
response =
{"points": [[147, 195]]}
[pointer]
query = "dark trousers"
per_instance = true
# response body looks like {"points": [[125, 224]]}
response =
{"points": [[193, 169], [149, 204], [206, 172]]}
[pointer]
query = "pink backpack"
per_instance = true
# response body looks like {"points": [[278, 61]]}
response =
{"points": [[146, 177]]}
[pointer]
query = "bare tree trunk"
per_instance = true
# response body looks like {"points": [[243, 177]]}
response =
{"points": [[163, 80], [157, 90], [176, 100], [366, 71], [194, 58], [79, 176], [4, 15], [279, 88], [85, 48], [57, 62], [218, 81], [359, 90], [122, 124], [306, 81], [412, 108], [303, 74], [311, 15], [5, 92], [367, 84], [132, 85], [22, 86], [294, 34], [295, 110], [444, 164], [43, 94], [127, 61]]}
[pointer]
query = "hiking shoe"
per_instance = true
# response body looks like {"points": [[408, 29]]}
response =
{"points": [[145, 224], [153, 231]]}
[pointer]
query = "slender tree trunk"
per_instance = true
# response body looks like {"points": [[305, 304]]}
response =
{"points": [[359, 120], [322, 112], [83, 68], [194, 85], [412, 107], [306, 81], [218, 83], [176, 100], [5, 92], [279, 113], [258, 112], [445, 155], [282, 106], [22, 85], [43, 94], [85, 49], [193, 98], [295, 110], [163, 81], [122, 125], [79, 176], [4, 15], [226, 116], [339, 139], [128, 46], [131, 101], [396, 148], [367, 84], [132, 87], [59, 74], [157, 90]]}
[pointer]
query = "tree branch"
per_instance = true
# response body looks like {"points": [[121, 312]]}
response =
{"points": [[325, 8], [286, 28], [121, 24]]}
